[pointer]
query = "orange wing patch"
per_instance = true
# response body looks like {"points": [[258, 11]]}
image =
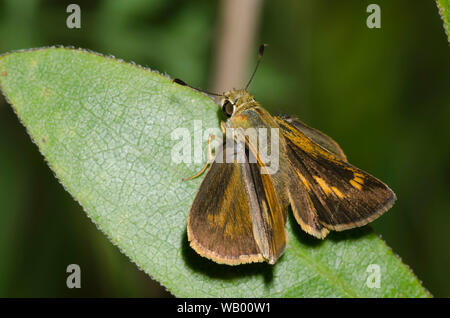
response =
{"points": [[358, 180]]}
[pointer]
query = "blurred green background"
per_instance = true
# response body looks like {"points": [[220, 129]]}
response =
{"points": [[383, 94]]}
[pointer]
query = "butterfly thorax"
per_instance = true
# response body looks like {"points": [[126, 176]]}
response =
{"points": [[246, 113]]}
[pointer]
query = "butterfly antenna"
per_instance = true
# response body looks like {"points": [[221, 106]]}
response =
{"points": [[182, 83], [260, 55]]}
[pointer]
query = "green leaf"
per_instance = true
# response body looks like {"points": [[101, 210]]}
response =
{"points": [[444, 11], [104, 127]]}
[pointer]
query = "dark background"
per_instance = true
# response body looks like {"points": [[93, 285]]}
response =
{"points": [[383, 94]]}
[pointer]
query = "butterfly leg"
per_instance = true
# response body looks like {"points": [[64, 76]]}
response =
{"points": [[208, 162]]}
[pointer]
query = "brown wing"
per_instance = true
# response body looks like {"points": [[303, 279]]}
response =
{"points": [[236, 216], [315, 135], [329, 193], [303, 208]]}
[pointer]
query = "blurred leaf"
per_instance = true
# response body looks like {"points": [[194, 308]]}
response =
{"points": [[444, 10], [104, 127]]}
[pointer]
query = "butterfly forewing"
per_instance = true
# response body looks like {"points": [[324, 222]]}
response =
{"points": [[313, 134], [236, 216], [336, 195]]}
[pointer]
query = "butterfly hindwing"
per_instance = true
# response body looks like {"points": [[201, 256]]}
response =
{"points": [[303, 207]]}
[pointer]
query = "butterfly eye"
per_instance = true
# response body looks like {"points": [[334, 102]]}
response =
{"points": [[227, 108]]}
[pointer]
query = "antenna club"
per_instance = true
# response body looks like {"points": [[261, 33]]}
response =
{"points": [[260, 54]]}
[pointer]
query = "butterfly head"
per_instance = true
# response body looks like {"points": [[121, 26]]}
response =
{"points": [[235, 101]]}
